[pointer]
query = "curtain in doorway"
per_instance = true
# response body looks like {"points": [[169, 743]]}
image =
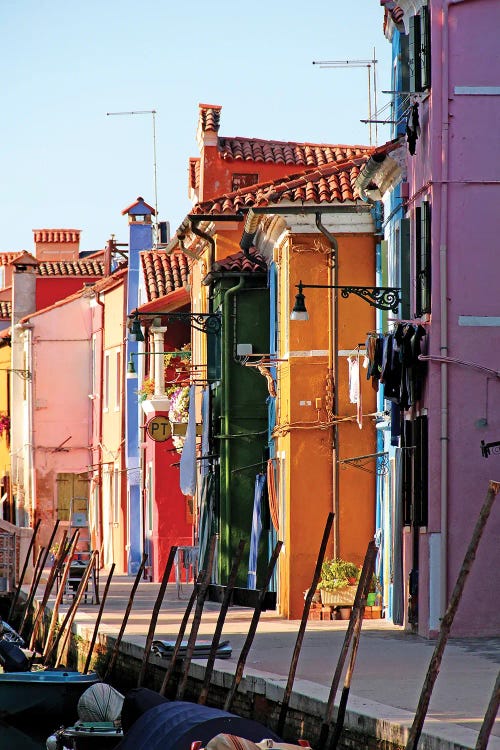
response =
{"points": [[260, 482]]}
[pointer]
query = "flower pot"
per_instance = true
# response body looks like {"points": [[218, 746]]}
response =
{"points": [[344, 613], [370, 600]]}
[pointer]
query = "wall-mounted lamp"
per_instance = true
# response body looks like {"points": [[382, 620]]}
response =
{"points": [[24, 374], [204, 322], [382, 297], [132, 372]]}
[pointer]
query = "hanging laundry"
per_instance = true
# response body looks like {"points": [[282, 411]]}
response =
{"points": [[355, 397]]}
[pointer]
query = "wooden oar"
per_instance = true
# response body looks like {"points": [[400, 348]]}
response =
{"points": [[60, 594], [118, 641], [303, 624], [252, 630], [98, 621], [325, 726], [220, 623], [180, 634], [357, 615], [200, 603], [23, 573], [447, 621], [156, 612], [82, 588]]}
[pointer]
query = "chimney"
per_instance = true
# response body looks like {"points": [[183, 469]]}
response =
{"points": [[57, 244]]}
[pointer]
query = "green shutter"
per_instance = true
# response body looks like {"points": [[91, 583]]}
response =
{"points": [[414, 54], [418, 261], [404, 256], [425, 48], [425, 254]]}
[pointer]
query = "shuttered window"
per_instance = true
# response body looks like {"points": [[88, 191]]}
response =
{"points": [[423, 276], [415, 472], [419, 51]]}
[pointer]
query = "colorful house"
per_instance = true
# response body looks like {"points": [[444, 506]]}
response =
{"points": [[443, 214], [269, 216]]}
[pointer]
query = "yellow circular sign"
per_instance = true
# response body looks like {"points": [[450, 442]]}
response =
{"points": [[158, 429]]}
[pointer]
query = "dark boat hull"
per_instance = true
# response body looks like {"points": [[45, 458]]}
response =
{"points": [[50, 694]]}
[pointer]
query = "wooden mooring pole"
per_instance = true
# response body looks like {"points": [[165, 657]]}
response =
{"points": [[305, 615], [447, 621], [252, 630]]}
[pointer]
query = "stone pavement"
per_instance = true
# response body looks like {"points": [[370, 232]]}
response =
{"points": [[389, 673]]}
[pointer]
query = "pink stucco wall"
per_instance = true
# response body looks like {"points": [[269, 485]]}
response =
{"points": [[61, 406], [456, 167]]}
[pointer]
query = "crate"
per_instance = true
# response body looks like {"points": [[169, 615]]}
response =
{"points": [[340, 597]]}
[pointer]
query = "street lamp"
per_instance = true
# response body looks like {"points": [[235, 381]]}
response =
{"points": [[382, 297], [204, 322]]}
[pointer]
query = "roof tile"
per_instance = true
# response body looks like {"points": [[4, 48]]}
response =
{"points": [[239, 263], [5, 309], [163, 273], [71, 268], [56, 235]]}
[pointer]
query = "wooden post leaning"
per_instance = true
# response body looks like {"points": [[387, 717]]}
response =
{"points": [[446, 622]]}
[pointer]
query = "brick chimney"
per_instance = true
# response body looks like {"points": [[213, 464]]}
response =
{"points": [[57, 244]]}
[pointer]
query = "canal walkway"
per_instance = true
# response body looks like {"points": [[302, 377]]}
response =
{"points": [[389, 673]]}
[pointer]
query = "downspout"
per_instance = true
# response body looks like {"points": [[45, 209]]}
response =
{"points": [[29, 391], [226, 327], [443, 290], [100, 535], [333, 369]]}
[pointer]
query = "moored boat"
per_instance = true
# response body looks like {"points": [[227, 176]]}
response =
{"points": [[51, 694]]}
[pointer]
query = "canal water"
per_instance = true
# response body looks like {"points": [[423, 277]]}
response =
{"points": [[16, 738]]}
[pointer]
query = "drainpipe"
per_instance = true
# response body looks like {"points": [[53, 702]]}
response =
{"points": [[226, 328], [333, 368], [99, 530]]}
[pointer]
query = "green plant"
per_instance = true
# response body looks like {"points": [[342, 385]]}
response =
{"points": [[147, 390], [337, 573]]}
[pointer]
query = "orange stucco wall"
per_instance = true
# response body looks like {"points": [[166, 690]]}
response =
{"points": [[308, 446]]}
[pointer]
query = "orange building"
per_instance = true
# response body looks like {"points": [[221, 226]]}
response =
{"points": [[293, 211]]}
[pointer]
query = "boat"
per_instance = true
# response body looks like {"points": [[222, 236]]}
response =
{"points": [[50, 694], [176, 724], [7, 633], [86, 735], [201, 649]]}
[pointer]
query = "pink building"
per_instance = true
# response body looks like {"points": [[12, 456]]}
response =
{"points": [[442, 234]]}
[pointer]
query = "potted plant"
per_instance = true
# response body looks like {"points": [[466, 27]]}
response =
{"points": [[338, 582]]}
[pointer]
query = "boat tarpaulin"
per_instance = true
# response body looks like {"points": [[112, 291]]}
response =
{"points": [[175, 725]]}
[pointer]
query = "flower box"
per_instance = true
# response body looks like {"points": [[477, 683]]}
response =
{"points": [[154, 404], [339, 597]]}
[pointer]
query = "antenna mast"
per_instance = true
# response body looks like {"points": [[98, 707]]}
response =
{"points": [[151, 112], [368, 64]]}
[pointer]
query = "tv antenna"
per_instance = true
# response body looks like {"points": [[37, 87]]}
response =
{"points": [[151, 112], [368, 64]]}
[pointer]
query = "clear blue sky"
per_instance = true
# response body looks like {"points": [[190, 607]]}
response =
{"points": [[65, 64]]}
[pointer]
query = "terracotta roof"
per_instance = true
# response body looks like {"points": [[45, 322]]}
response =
{"points": [[210, 116], [56, 235], [163, 273], [240, 263], [332, 183], [5, 309], [7, 258], [286, 152], [71, 268]]}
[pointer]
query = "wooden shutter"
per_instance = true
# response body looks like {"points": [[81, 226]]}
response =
{"points": [[414, 63], [425, 48], [404, 255]]}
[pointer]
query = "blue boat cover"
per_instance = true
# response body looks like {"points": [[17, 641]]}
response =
{"points": [[175, 725]]}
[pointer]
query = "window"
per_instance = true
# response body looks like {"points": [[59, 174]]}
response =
{"points": [[244, 180], [106, 382], [415, 471], [419, 51], [118, 380], [423, 258]]}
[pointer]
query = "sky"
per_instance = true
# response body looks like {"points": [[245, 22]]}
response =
{"points": [[66, 164]]}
